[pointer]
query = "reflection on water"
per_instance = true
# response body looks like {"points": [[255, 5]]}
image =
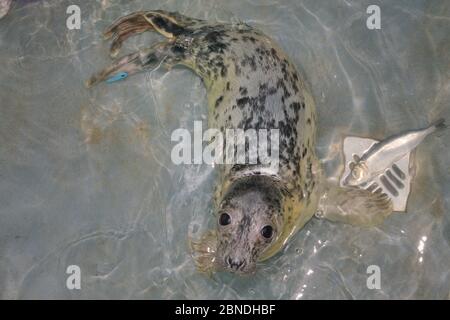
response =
{"points": [[86, 176]]}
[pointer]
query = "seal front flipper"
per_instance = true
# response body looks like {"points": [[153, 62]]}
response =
{"points": [[354, 206], [204, 251]]}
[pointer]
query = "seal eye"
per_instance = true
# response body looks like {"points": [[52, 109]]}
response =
{"points": [[224, 219], [267, 232]]}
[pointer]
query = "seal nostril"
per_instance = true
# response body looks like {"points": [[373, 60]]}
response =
{"points": [[235, 264]]}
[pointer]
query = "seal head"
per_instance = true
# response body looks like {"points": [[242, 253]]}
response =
{"points": [[249, 219]]}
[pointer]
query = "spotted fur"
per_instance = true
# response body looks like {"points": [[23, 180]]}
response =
{"points": [[251, 84]]}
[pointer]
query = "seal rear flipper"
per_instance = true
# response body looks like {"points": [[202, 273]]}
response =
{"points": [[161, 53], [354, 206], [168, 24]]}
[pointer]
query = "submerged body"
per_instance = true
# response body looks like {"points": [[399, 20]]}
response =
{"points": [[383, 154], [251, 84]]}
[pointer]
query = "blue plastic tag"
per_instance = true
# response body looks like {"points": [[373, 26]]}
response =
{"points": [[120, 76]]}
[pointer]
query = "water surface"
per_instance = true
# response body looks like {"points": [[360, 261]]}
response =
{"points": [[86, 177]]}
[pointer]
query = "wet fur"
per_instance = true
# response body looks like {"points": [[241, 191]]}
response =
{"points": [[251, 84]]}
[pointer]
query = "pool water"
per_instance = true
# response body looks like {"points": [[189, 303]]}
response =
{"points": [[86, 177]]}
